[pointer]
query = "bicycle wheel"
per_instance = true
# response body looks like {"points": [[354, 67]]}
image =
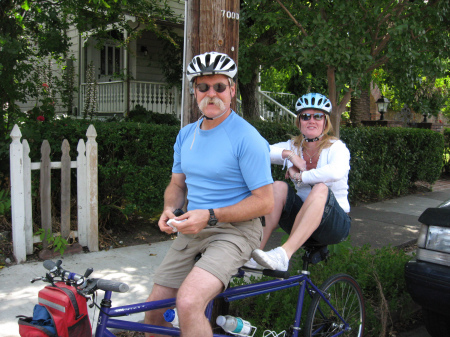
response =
{"points": [[345, 295]]}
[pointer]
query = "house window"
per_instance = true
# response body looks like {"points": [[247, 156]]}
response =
{"points": [[110, 60]]}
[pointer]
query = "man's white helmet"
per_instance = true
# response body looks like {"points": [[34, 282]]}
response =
{"points": [[211, 63]]}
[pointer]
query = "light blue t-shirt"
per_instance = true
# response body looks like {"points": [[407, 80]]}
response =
{"points": [[222, 165]]}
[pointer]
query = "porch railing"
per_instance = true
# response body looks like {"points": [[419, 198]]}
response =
{"points": [[271, 109], [153, 96], [158, 97]]}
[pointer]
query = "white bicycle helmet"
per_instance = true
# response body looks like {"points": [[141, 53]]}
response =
{"points": [[211, 63], [313, 101]]}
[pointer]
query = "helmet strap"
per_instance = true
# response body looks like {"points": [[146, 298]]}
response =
{"points": [[210, 119]]}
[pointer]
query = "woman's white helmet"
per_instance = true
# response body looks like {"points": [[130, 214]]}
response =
{"points": [[313, 101], [211, 63]]}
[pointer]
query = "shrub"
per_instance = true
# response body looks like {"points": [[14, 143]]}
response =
{"points": [[140, 115], [386, 162], [446, 158]]}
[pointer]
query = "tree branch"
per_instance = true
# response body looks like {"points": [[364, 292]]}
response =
{"points": [[292, 18]]}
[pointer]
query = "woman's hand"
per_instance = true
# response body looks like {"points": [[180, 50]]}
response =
{"points": [[291, 171], [298, 162]]}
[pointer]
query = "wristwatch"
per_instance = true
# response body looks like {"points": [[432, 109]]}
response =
{"points": [[212, 218]]}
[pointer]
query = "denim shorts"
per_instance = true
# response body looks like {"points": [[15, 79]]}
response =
{"points": [[335, 224]]}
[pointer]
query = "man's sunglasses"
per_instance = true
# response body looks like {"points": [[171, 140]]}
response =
{"points": [[307, 117], [218, 87]]}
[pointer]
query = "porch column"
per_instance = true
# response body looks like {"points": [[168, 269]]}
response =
{"points": [[126, 83]]}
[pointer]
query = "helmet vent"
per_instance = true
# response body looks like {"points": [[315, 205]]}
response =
{"points": [[207, 60]]}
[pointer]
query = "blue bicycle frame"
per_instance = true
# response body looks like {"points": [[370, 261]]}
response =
{"points": [[107, 314]]}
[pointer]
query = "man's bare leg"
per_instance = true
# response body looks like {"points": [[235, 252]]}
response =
{"points": [[197, 290], [156, 317]]}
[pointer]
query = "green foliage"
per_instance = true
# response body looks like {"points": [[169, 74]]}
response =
{"points": [[386, 162], [446, 158], [5, 202], [58, 243], [377, 271], [340, 43], [141, 115]]}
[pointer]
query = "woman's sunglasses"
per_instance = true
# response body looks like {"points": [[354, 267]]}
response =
{"points": [[218, 87], [307, 117]]}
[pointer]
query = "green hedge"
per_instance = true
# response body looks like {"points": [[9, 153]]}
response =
{"points": [[386, 162], [135, 160], [446, 158]]}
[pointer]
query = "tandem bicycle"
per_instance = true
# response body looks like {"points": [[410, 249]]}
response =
{"points": [[336, 307]]}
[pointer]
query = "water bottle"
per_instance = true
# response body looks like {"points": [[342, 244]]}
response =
{"points": [[234, 325], [171, 316]]}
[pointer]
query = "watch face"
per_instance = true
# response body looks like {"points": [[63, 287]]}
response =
{"points": [[212, 222], [212, 218]]}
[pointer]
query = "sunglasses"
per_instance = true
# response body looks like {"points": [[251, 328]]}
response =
{"points": [[307, 117], [218, 87]]}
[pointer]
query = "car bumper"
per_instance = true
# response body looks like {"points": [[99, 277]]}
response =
{"points": [[429, 285]]}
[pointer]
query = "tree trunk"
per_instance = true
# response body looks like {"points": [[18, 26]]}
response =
{"points": [[250, 104], [360, 108]]}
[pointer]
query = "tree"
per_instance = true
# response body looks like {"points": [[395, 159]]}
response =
{"points": [[35, 30], [344, 41]]}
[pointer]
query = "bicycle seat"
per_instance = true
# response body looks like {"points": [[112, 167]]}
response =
{"points": [[314, 251]]}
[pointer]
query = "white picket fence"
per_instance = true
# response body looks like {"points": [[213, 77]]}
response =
{"points": [[87, 192]]}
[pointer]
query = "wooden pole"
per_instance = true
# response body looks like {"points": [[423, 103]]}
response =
{"points": [[211, 26]]}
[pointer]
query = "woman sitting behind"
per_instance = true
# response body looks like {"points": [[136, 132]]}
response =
{"points": [[318, 164]]}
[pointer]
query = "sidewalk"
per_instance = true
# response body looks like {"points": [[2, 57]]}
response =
{"points": [[390, 222]]}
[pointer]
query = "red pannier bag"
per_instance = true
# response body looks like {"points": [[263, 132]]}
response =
{"points": [[40, 325], [68, 309]]}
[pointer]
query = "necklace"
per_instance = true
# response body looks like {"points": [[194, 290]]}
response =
{"points": [[311, 157]]}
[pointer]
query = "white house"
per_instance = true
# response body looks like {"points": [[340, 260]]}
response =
{"points": [[145, 85]]}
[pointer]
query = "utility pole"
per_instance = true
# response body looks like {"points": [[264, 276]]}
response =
{"points": [[211, 25]]}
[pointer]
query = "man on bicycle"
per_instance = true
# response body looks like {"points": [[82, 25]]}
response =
{"points": [[222, 163]]}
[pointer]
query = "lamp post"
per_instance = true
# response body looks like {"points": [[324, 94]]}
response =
{"points": [[382, 105]]}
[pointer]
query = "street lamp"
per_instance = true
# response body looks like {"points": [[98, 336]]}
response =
{"points": [[382, 105]]}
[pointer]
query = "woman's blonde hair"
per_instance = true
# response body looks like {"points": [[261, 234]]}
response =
{"points": [[324, 141]]}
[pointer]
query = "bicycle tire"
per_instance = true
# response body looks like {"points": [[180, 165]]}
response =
{"points": [[345, 294]]}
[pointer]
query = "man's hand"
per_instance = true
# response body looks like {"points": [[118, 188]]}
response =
{"points": [[196, 221], [162, 223]]}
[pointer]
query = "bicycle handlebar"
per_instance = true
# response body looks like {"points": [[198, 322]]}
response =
{"points": [[85, 285]]}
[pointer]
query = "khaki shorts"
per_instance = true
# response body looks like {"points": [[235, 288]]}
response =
{"points": [[224, 249]]}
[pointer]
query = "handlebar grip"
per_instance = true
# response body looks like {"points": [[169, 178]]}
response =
{"points": [[276, 273], [109, 285], [49, 264]]}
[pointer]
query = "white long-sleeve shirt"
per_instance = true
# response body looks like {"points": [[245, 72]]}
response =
{"points": [[332, 170]]}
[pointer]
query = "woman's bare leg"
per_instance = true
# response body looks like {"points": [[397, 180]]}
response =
{"points": [[308, 219], [280, 190]]}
